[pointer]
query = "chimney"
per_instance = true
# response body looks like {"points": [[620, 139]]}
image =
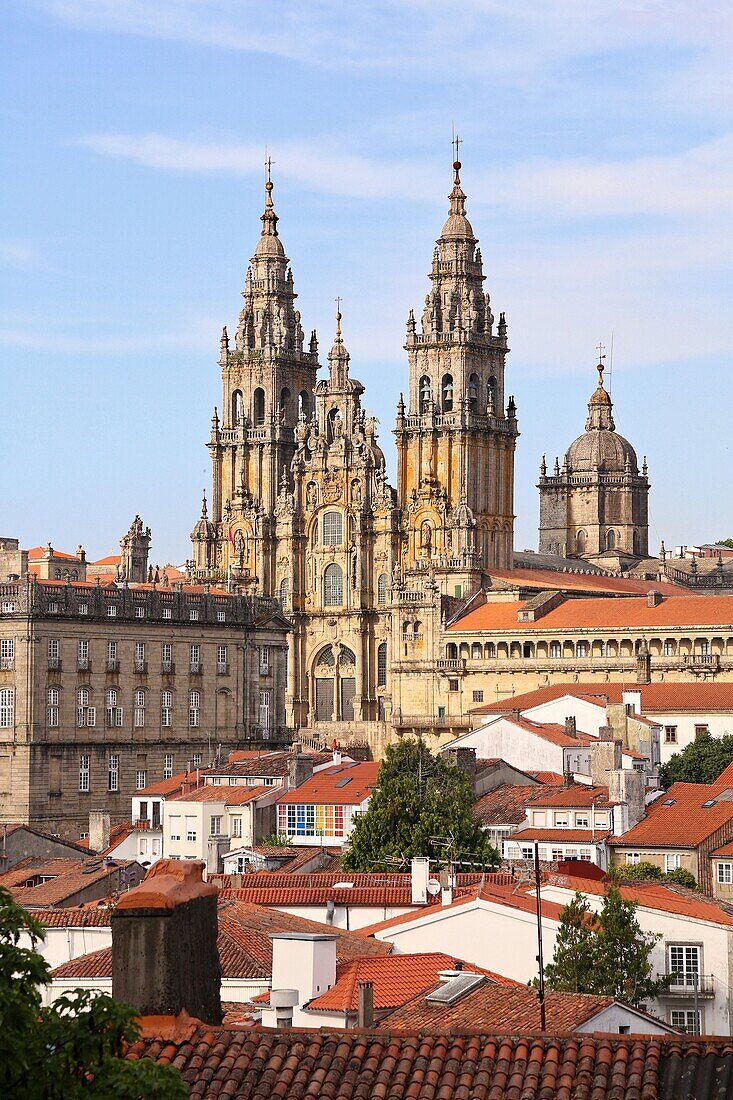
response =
{"points": [[419, 874], [300, 768], [465, 761], [626, 790], [653, 598], [160, 928], [99, 826], [446, 886], [283, 1001], [305, 961], [570, 726], [366, 1005], [605, 755], [216, 849]]}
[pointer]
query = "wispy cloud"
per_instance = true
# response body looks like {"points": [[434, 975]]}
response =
{"points": [[13, 250], [693, 181], [76, 337]]}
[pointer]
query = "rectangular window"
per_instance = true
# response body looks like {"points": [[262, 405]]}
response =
{"points": [[139, 610], [139, 656], [265, 659], [7, 707], [111, 611], [84, 772], [478, 696], [581, 820], [53, 608], [215, 826], [53, 649], [190, 828], [237, 827], [52, 699], [561, 820], [82, 654], [143, 845], [193, 615], [452, 685], [221, 616], [196, 760], [265, 710], [670, 735], [332, 529], [141, 779], [167, 613], [168, 765], [221, 658], [194, 704], [195, 658], [632, 858], [669, 648], [555, 651], [672, 862], [725, 873], [7, 652], [8, 607], [684, 964], [175, 820], [686, 1020], [166, 654], [113, 778], [166, 708], [139, 709], [700, 731], [83, 608]]}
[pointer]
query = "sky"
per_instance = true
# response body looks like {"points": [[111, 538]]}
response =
{"points": [[597, 160]]}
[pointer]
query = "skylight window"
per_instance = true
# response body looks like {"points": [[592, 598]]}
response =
{"points": [[342, 782], [710, 802], [669, 801]]}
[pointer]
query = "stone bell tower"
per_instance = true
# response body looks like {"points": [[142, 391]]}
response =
{"points": [[134, 547], [456, 437], [268, 379]]}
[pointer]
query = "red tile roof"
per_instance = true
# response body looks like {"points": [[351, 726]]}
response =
{"points": [[66, 878], [79, 917], [559, 835], [396, 979], [37, 552], [95, 964], [653, 895], [573, 794], [685, 823], [230, 796], [723, 850], [277, 888], [171, 786], [551, 731], [499, 1008], [263, 1064], [556, 579], [506, 804], [341, 785], [602, 614], [662, 697]]}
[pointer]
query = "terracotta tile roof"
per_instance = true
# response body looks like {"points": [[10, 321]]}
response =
{"points": [[230, 796], [654, 895], [724, 850], [278, 888], [602, 614], [679, 817], [491, 1008], [170, 786], [341, 785], [65, 878], [396, 978], [548, 778], [560, 835], [506, 805], [81, 916], [557, 579], [37, 552], [111, 559], [550, 731], [573, 794], [660, 697], [95, 964], [264, 1064]]}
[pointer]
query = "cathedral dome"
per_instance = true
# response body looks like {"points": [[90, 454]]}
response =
{"points": [[601, 450], [457, 226], [269, 243]]}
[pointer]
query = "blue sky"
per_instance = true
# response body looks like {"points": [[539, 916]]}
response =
{"points": [[598, 155]]}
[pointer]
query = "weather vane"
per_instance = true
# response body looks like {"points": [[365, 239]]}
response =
{"points": [[601, 352]]}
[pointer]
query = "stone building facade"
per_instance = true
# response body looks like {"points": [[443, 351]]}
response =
{"points": [[104, 689], [301, 509], [596, 506]]}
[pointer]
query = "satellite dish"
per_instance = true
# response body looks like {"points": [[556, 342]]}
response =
{"points": [[433, 887]]}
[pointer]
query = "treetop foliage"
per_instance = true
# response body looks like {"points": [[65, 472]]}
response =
{"points": [[701, 761], [420, 800]]}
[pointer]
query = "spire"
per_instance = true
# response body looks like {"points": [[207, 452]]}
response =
{"points": [[269, 218], [600, 405], [457, 225], [204, 509], [338, 357]]}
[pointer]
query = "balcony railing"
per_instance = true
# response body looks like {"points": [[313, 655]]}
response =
{"points": [[54, 663], [451, 664], [168, 667], [7, 662], [222, 668], [196, 668], [83, 664], [420, 722], [112, 665], [141, 666], [683, 985]]}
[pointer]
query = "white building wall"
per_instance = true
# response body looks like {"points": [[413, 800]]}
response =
{"points": [[350, 917], [501, 739]]}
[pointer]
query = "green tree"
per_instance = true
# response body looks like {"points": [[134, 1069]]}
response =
{"points": [[419, 799], [73, 1048], [681, 877], [605, 953], [725, 542], [573, 967], [649, 872], [701, 761]]}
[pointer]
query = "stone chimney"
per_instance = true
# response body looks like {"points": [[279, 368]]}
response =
{"points": [[605, 755], [465, 761], [626, 790], [570, 726], [164, 954], [300, 768], [653, 598], [99, 828], [365, 1016]]}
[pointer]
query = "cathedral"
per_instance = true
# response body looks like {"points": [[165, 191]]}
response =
{"points": [[370, 574]]}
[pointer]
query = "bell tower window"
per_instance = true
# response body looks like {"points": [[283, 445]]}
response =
{"points": [[447, 392], [425, 394], [258, 407], [236, 407], [610, 540], [473, 393], [284, 411], [580, 540], [303, 404], [491, 392]]}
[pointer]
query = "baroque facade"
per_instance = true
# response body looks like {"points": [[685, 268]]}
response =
{"points": [[301, 508]]}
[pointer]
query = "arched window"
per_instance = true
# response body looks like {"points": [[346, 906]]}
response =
{"points": [[382, 664], [447, 392], [114, 713], [382, 588], [555, 651], [58, 575], [303, 404], [258, 407], [473, 392], [284, 591], [332, 421], [490, 650], [451, 651], [284, 411], [325, 658], [237, 408], [333, 586], [166, 708], [425, 397], [581, 649], [580, 539], [346, 657], [52, 698], [194, 708], [476, 651], [491, 391], [333, 529], [139, 717], [610, 540], [75, 575]]}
